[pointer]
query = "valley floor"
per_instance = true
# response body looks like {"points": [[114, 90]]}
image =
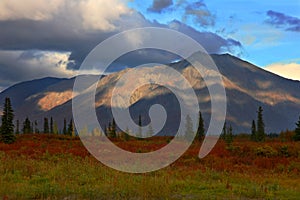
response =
{"points": [[59, 167]]}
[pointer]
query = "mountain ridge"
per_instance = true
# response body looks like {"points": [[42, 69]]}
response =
{"points": [[247, 87]]}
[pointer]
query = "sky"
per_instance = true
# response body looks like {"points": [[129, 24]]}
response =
{"points": [[52, 37]]}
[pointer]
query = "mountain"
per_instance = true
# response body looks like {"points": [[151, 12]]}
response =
{"points": [[247, 88]]}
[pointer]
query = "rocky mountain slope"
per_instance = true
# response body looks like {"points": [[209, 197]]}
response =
{"points": [[247, 87]]}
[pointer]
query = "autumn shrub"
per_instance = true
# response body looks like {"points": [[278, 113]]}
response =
{"points": [[265, 151], [284, 151], [54, 167], [286, 136], [294, 167]]}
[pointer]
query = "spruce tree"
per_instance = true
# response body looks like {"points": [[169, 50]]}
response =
{"points": [[51, 126], [297, 131], [7, 127], [253, 131], [109, 129], [260, 125], [46, 125], [200, 130], [71, 129], [126, 134], [188, 128], [113, 131], [224, 132], [105, 131], [26, 126], [139, 134], [65, 132], [229, 136]]}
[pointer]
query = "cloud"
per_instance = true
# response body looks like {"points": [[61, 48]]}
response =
{"points": [[101, 14], [16, 66], [211, 42], [49, 36], [84, 14], [55, 43], [187, 11], [159, 5], [289, 70], [281, 20], [57, 36], [33, 10], [198, 13]]}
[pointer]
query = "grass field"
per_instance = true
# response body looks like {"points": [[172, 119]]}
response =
{"points": [[59, 167]]}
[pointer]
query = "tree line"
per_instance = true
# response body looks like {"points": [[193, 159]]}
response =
{"points": [[50, 128], [258, 133], [8, 131]]}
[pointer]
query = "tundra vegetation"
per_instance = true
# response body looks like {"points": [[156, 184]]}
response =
{"points": [[56, 165]]}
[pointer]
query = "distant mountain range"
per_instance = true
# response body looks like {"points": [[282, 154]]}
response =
{"points": [[247, 88]]}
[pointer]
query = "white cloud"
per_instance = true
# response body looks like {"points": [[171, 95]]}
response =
{"points": [[54, 62], [87, 14], [100, 14], [30, 9], [16, 66], [289, 70], [135, 39]]}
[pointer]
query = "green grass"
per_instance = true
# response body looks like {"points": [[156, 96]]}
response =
{"points": [[52, 167], [73, 177]]}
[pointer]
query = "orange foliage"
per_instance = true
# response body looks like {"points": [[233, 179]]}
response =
{"points": [[242, 156]]}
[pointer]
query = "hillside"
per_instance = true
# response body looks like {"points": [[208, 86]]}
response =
{"points": [[247, 87]]}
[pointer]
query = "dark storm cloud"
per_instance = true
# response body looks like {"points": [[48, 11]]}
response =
{"points": [[281, 20], [27, 35], [48, 35], [199, 13], [211, 42], [159, 5], [56, 36], [17, 66]]}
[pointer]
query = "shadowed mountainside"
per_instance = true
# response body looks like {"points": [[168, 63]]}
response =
{"points": [[247, 87]]}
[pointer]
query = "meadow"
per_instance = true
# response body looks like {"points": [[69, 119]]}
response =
{"points": [[43, 166]]}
